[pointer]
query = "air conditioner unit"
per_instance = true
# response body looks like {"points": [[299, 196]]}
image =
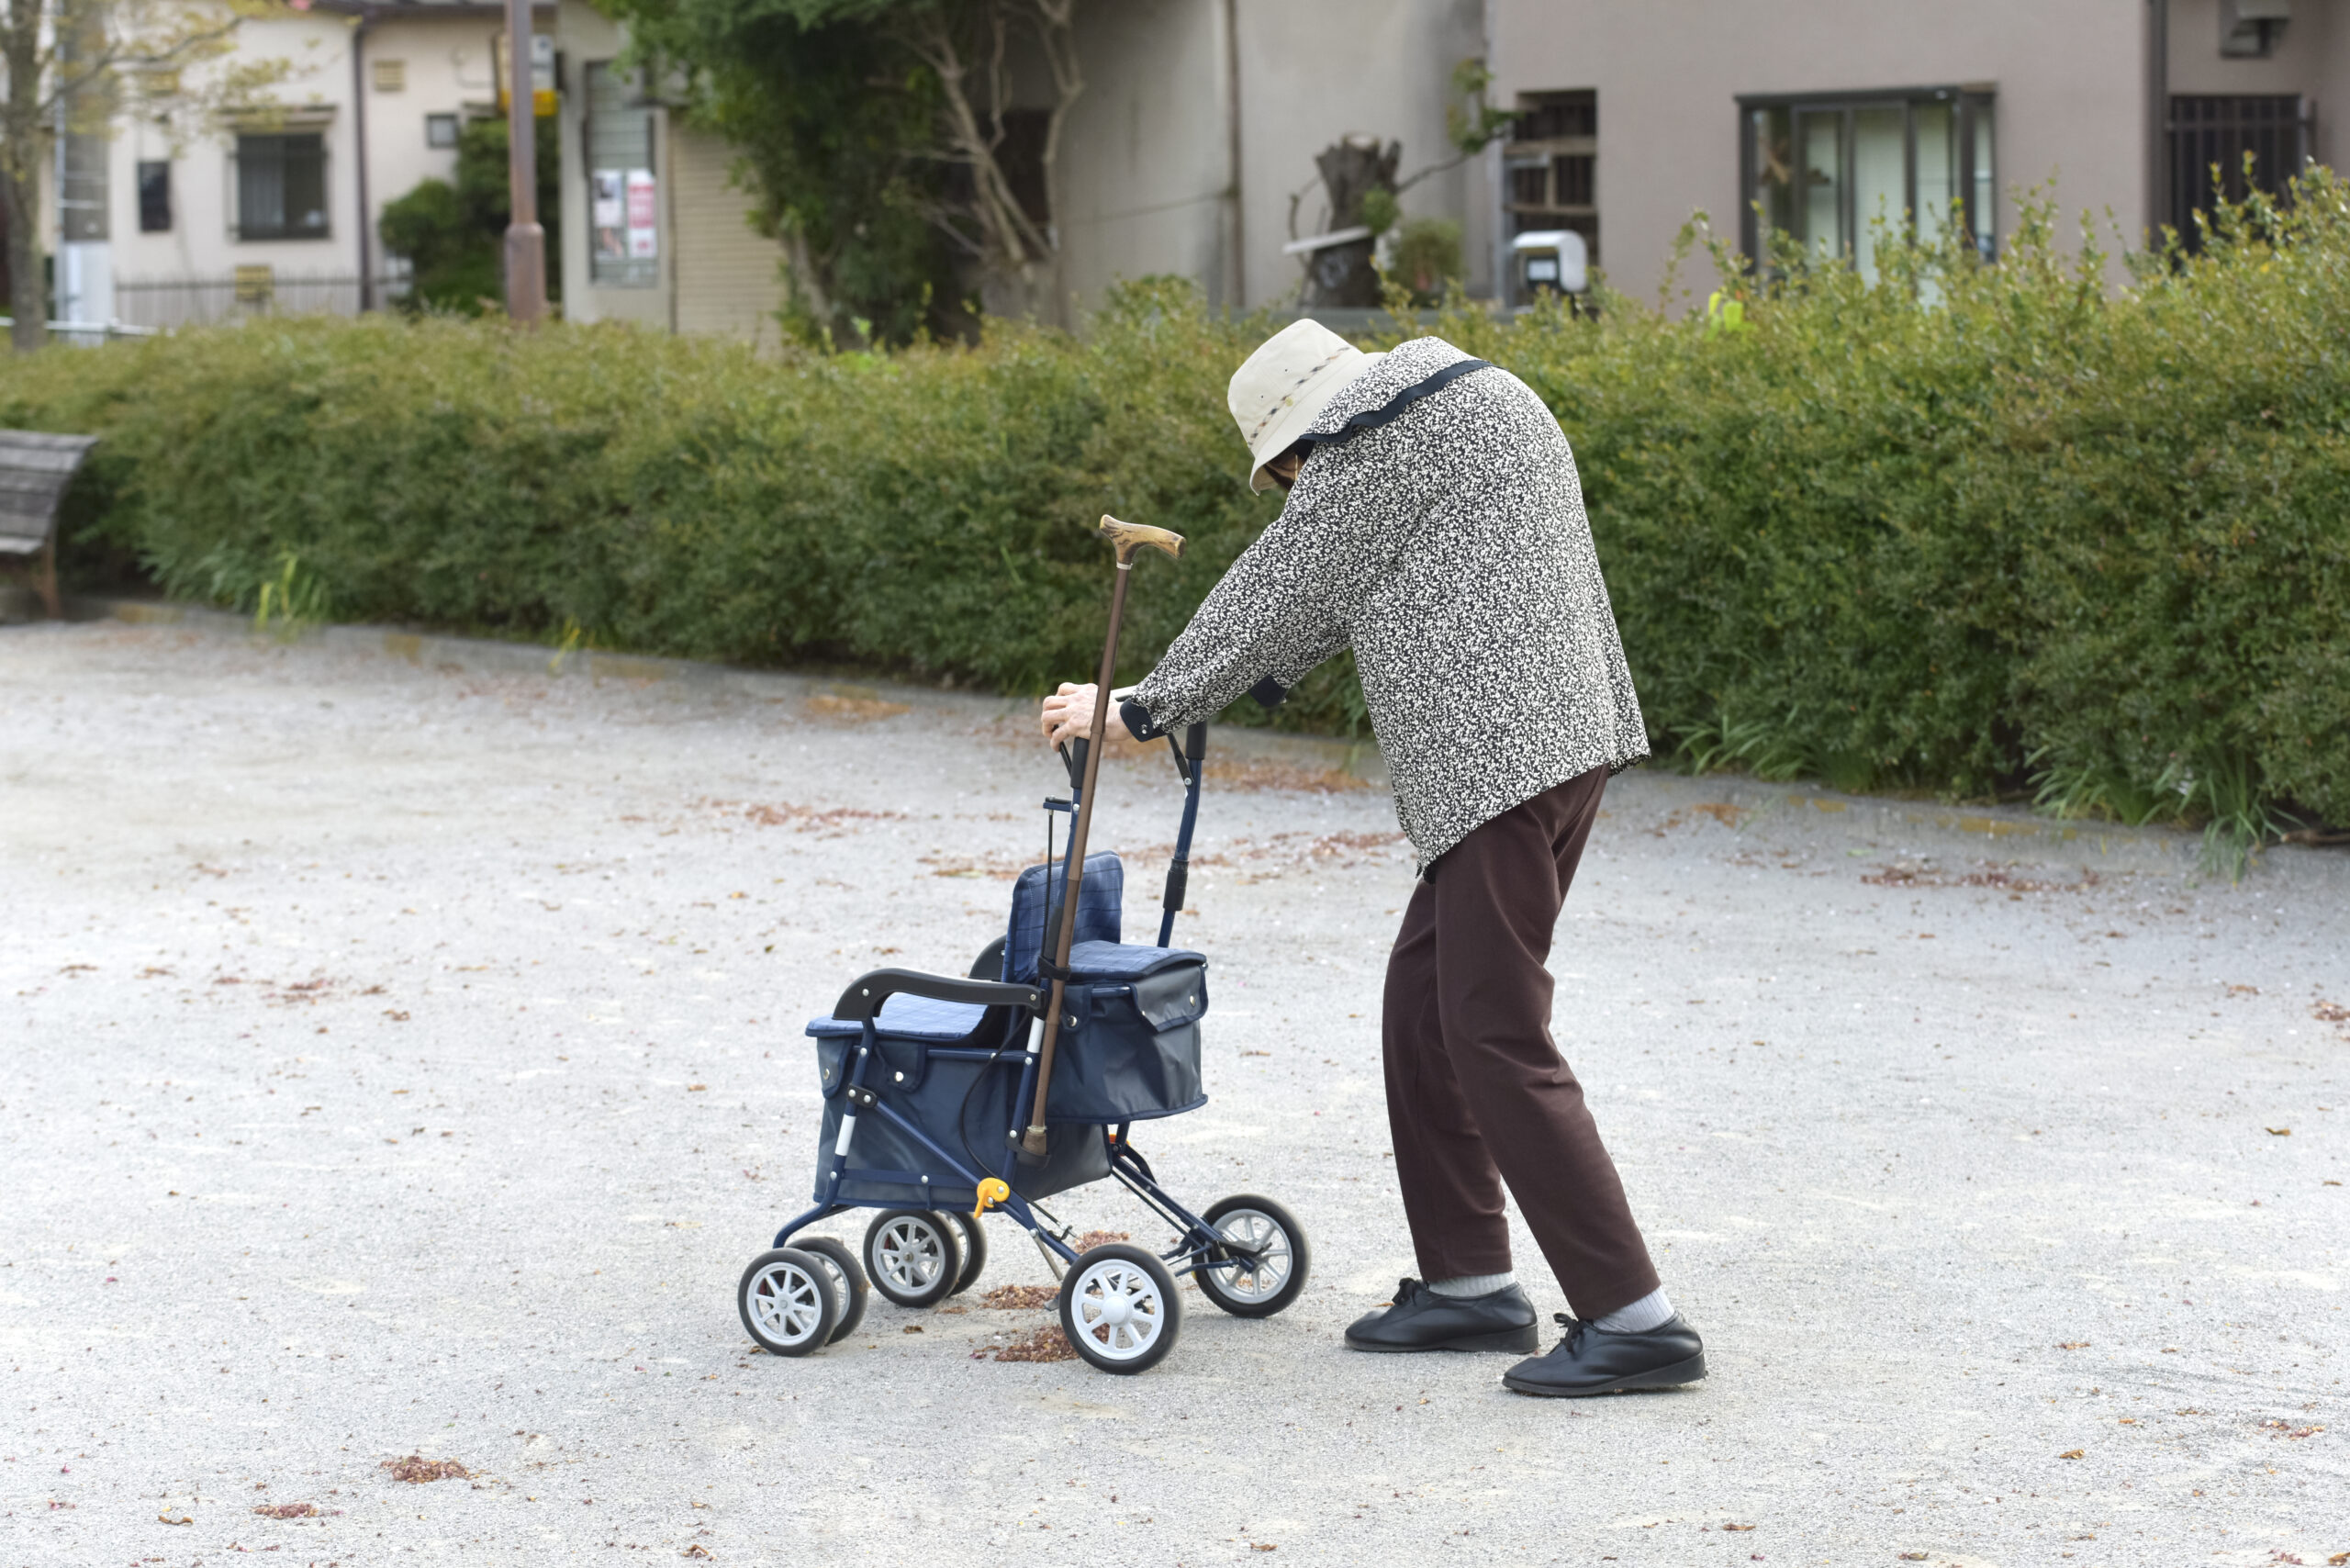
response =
{"points": [[2250, 29]]}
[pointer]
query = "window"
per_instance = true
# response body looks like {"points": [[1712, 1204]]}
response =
{"points": [[282, 187], [1553, 165], [1822, 169], [623, 237], [83, 197], [2204, 132], [154, 198], [440, 131], [391, 76]]}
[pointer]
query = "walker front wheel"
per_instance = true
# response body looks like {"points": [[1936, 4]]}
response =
{"points": [[1269, 1256], [786, 1302], [1119, 1309], [848, 1282], [912, 1256]]}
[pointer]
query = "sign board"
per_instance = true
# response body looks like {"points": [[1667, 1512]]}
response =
{"points": [[644, 206], [542, 72]]}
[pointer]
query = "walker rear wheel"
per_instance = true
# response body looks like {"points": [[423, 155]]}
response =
{"points": [[1119, 1309], [912, 1256], [848, 1282], [974, 1249], [1271, 1253], [786, 1302]]}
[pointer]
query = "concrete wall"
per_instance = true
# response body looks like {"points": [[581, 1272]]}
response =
{"points": [[1312, 74], [2069, 75], [1147, 169]]}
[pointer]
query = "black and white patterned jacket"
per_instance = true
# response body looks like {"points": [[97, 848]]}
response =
{"points": [[1437, 527]]}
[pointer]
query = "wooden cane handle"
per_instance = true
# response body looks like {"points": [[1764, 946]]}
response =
{"points": [[1128, 537]]}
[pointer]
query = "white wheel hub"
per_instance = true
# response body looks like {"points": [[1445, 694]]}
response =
{"points": [[909, 1252], [1259, 1233], [1117, 1306], [785, 1300]]}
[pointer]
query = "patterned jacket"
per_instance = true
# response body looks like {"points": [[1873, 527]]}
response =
{"points": [[1436, 528]]}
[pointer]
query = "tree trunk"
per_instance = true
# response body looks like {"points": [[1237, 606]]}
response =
{"points": [[1351, 169], [23, 141]]}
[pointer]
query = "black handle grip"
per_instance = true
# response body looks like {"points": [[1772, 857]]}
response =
{"points": [[1195, 741], [1073, 758], [1178, 877]]}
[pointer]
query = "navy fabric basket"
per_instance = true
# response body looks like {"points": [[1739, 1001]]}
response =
{"points": [[1129, 1051], [969, 1121]]}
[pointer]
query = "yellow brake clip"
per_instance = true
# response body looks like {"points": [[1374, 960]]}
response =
{"points": [[991, 1192]]}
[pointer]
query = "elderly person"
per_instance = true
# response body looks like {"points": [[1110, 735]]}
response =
{"points": [[1434, 525]]}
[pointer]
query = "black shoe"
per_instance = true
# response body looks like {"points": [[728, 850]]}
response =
{"points": [[1420, 1319], [1592, 1361]]}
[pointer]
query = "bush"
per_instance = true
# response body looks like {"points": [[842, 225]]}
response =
{"points": [[1974, 529]]}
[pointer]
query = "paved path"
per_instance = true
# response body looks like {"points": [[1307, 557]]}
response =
{"points": [[405, 1060]]}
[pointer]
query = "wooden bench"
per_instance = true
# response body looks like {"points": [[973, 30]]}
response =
{"points": [[35, 468]]}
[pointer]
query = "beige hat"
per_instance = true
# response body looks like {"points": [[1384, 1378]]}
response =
{"points": [[1282, 389]]}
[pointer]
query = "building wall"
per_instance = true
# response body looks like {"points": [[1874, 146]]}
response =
{"points": [[1312, 74], [2070, 78], [1147, 168], [729, 277], [2312, 59]]}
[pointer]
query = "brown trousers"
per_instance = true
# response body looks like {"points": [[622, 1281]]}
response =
{"points": [[1477, 1095]]}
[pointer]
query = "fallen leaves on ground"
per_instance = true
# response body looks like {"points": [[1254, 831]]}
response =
{"points": [[854, 710], [1045, 1344], [1927, 874], [696, 1550], [2074, 1345], [1737, 1527], [1093, 1239], [2287, 1430], [834, 820], [1020, 1298], [1262, 773], [418, 1469], [2280, 1132], [2074, 1453], [288, 1510], [167, 1520]]}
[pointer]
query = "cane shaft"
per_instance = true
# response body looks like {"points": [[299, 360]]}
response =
{"points": [[1033, 1140]]}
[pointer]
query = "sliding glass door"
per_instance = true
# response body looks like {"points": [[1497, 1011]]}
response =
{"points": [[1837, 171]]}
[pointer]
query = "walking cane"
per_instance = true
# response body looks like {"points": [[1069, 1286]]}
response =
{"points": [[1125, 538]]}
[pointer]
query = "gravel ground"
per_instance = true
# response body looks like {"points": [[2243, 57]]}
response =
{"points": [[405, 1059]]}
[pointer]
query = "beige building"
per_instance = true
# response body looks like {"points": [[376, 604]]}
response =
{"points": [[1829, 112], [656, 231], [166, 222]]}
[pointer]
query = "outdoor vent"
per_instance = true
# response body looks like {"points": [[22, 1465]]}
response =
{"points": [[2249, 28], [391, 76]]}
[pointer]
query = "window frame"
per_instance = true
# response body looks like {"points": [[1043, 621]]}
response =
{"points": [[238, 230], [1546, 153], [151, 209], [1966, 100]]}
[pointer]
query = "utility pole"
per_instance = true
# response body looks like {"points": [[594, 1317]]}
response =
{"points": [[526, 243]]}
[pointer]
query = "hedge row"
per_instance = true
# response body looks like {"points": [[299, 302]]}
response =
{"points": [[1967, 530]]}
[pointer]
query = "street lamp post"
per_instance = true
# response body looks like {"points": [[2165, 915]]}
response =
{"points": [[526, 243]]}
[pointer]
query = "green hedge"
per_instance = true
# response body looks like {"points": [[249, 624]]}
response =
{"points": [[1970, 530]]}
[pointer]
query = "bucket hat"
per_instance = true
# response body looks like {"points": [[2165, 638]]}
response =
{"points": [[1281, 390]]}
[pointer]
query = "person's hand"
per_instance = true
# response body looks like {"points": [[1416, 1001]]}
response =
{"points": [[1068, 715]]}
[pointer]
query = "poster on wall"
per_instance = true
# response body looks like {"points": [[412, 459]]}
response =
{"points": [[610, 215], [642, 237]]}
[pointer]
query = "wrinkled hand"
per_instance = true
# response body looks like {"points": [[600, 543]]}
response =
{"points": [[1068, 715]]}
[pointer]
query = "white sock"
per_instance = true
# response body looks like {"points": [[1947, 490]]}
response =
{"points": [[1475, 1284], [1638, 1317]]}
